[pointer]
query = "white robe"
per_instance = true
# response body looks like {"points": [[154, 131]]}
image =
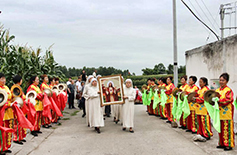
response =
{"points": [[96, 111], [86, 96], [128, 107], [118, 111]]}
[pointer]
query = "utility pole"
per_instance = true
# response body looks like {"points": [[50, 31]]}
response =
{"points": [[222, 15], [175, 44]]}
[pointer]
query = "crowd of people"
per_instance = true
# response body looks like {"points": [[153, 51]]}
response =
{"points": [[169, 103], [88, 96], [40, 107]]}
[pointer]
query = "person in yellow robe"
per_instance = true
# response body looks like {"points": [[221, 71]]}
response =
{"points": [[8, 119], [169, 103], [45, 120], [33, 85], [184, 88], [162, 83], [192, 118], [203, 118], [226, 136]]}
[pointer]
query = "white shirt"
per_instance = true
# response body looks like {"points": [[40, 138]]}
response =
{"points": [[68, 83], [94, 74], [78, 85]]}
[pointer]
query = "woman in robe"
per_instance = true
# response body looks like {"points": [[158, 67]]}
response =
{"points": [[204, 122], [34, 82], [96, 111], [192, 119], [45, 120], [19, 133], [85, 95], [128, 106], [184, 87], [169, 103], [226, 136], [8, 118]]}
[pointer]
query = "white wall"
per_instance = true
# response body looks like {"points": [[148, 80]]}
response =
{"points": [[208, 61]]}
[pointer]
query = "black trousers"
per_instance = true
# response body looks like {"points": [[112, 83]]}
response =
{"points": [[107, 110], [71, 100], [83, 105]]}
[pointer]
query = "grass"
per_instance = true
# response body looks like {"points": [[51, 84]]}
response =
{"points": [[64, 112], [74, 113], [66, 119]]}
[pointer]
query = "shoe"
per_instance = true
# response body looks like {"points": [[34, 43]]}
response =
{"points": [[73, 108], [194, 132], [49, 126], [8, 151], [227, 148], [108, 115], [195, 138], [23, 140], [88, 125], [168, 121], [202, 139], [34, 133], [59, 118], [188, 130], [98, 130], [131, 131], [45, 126], [38, 131], [163, 118], [220, 147], [184, 127], [116, 121], [83, 115], [124, 129], [207, 138], [18, 142]]}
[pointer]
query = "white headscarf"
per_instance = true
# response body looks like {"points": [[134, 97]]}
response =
{"points": [[88, 78], [111, 83], [98, 76], [129, 80], [128, 90], [92, 80]]}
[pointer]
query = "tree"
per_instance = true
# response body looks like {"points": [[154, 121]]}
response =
{"points": [[147, 71], [182, 69], [159, 69], [170, 69]]}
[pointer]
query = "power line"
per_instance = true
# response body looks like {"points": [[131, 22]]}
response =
{"points": [[210, 14], [195, 9], [205, 15], [200, 19], [210, 32]]}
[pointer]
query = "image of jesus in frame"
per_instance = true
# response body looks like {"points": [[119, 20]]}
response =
{"points": [[111, 88]]}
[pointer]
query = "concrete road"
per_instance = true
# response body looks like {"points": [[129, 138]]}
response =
{"points": [[152, 136]]}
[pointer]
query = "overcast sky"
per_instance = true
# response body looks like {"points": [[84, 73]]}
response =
{"points": [[125, 34]]}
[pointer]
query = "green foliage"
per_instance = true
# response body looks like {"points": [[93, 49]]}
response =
{"points": [[103, 71], [142, 79], [25, 61], [161, 69]]}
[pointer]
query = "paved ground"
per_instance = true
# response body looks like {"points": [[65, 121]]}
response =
{"points": [[152, 136]]}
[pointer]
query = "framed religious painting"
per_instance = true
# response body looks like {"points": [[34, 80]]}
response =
{"points": [[111, 88]]}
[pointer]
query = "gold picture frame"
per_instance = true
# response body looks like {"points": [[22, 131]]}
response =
{"points": [[111, 88]]}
